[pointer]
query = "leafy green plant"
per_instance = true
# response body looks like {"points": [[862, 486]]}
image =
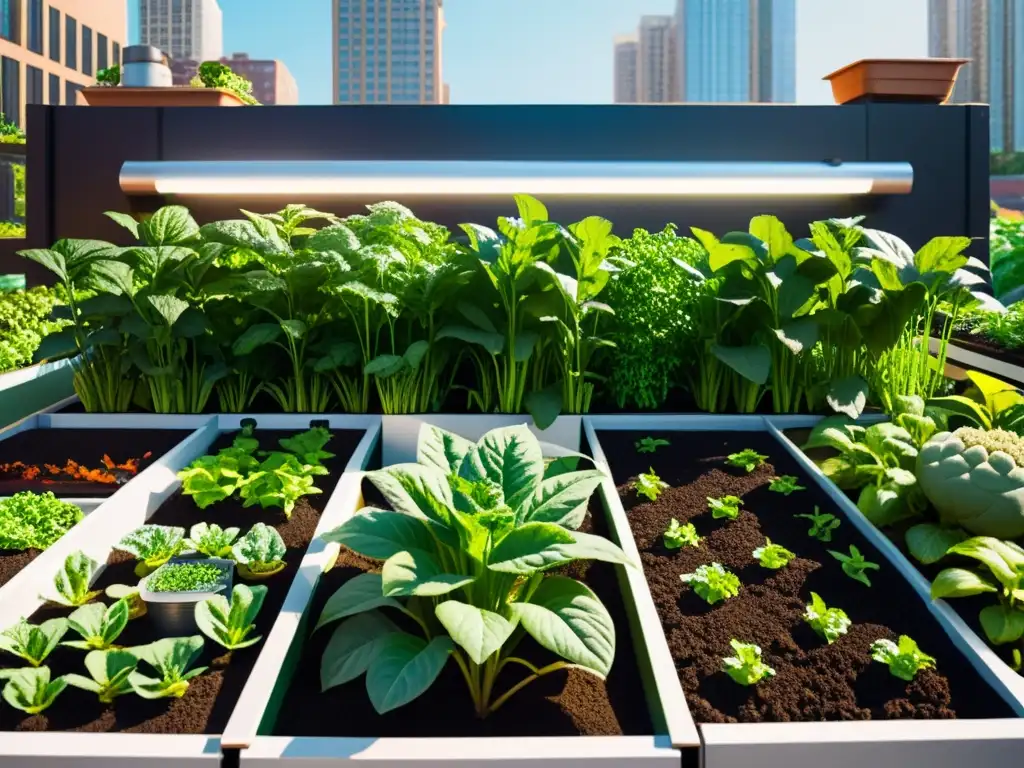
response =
{"points": [[725, 506], [748, 460], [677, 535], [211, 540], [31, 690], [988, 404], [230, 624], [854, 565], [904, 660], [829, 623], [171, 659], [26, 317], [746, 667], [472, 530], [308, 446], [822, 524], [110, 672], [109, 76], [131, 595], [186, 577], [71, 583], [33, 642], [785, 484], [773, 556], [35, 520], [649, 485], [650, 444], [98, 625], [713, 583], [214, 74], [1006, 257], [260, 553], [153, 545], [280, 481]]}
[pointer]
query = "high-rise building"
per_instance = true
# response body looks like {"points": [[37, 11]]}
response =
{"points": [[656, 60], [736, 50], [183, 29], [627, 51], [991, 34], [50, 50], [388, 51], [272, 82]]}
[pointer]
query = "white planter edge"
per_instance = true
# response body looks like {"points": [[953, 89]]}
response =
{"points": [[975, 361], [31, 373]]}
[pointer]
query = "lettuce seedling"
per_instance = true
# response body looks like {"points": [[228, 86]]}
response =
{"points": [[829, 623], [650, 485], [773, 556], [31, 642], [171, 658], [230, 624], [677, 535], [747, 459], [746, 667], [211, 540], [130, 594], [110, 670], [260, 553], [35, 520], [713, 583], [854, 564], [186, 577], [30, 689], [725, 506], [309, 446], [905, 660], [98, 625], [153, 545], [71, 582], [280, 481], [211, 479], [785, 484], [473, 531], [650, 444], [822, 524]]}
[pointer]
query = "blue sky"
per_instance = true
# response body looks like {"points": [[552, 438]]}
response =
{"points": [[558, 51]]}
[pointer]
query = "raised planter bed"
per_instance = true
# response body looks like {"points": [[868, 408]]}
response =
{"points": [[25, 391], [186, 729], [760, 725], [622, 718], [974, 353]]}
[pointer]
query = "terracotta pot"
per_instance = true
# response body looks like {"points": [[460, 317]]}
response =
{"points": [[913, 80], [177, 96]]}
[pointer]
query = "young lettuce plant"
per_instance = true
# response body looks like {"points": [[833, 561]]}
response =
{"points": [[472, 530], [230, 624], [650, 444], [854, 565], [35, 520], [678, 535], [110, 672], [773, 556], [822, 524], [786, 484], [308, 446], [746, 667], [212, 479], [153, 545], [31, 642], [904, 659], [725, 506], [260, 553], [98, 625], [171, 658], [30, 689], [748, 460], [280, 481], [829, 623], [650, 485], [713, 583], [71, 583], [211, 540]]}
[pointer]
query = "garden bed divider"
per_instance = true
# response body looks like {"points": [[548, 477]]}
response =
{"points": [[27, 390], [975, 361], [881, 744]]}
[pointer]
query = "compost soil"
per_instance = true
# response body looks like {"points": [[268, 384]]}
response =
{"points": [[85, 446], [814, 680], [571, 703], [211, 697]]}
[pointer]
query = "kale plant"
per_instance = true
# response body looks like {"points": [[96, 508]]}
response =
{"points": [[260, 553], [153, 545], [33, 642]]}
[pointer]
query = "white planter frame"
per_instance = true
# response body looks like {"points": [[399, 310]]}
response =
{"points": [[129, 508], [37, 384], [261, 751], [880, 744], [975, 361]]}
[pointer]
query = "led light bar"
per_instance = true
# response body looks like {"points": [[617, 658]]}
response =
{"points": [[441, 178]]}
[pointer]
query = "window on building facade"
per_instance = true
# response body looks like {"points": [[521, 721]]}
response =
{"points": [[71, 92], [54, 34], [10, 89], [102, 52], [35, 26], [54, 100], [117, 54], [70, 43], [34, 86], [9, 27], [86, 50]]}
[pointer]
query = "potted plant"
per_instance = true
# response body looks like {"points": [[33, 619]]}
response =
{"points": [[172, 591], [215, 85], [911, 80]]}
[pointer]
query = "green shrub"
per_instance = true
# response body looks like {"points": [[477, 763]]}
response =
{"points": [[24, 321]]}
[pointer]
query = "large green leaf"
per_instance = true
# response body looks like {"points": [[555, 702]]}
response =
{"points": [[883, 322], [544, 405], [962, 406], [724, 254], [441, 449], [752, 362], [562, 499], [169, 308], [531, 210], [338, 238], [125, 220], [418, 573], [942, 254], [773, 233], [403, 668], [56, 346], [361, 593], [492, 342], [241, 233], [565, 617], [256, 336], [1004, 559], [51, 260], [479, 632], [353, 647], [1002, 623], [848, 396], [795, 291], [415, 489], [384, 366], [294, 329], [511, 458], [799, 335], [170, 225], [928, 543], [381, 533], [530, 548], [959, 582]]}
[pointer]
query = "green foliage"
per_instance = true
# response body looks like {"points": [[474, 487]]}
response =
{"points": [[186, 577], [211, 540], [12, 230], [109, 76], [786, 484], [171, 659], [746, 667], [214, 74], [473, 529], [31, 690], [31, 642], [71, 583], [854, 565], [25, 318], [822, 524], [9, 130], [230, 624], [904, 660], [649, 485], [650, 444], [725, 507], [677, 535], [988, 404], [153, 545], [98, 625], [773, 556], [713, 583], [829, 623], [35, 520], [260, 553], [748, 459], [280, 481], [110, 674]]}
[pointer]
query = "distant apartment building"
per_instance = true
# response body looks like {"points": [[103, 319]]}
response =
{"points": [[627, 52], [991, 34], [388, 51], [656, 60], [183, 29], [50, 49], [272, 82]]}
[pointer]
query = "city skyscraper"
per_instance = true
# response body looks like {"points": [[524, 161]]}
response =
{"points": [[183, 29], [627, 54], [656, 60], [388, 51], [991, 34]]}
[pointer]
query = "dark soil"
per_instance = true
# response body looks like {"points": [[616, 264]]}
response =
{"points": [[212, 696], [56, 446], [976, 342], [814, 681], [569, 703]]}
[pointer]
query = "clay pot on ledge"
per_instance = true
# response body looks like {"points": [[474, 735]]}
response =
{"points": [[923, 81], [174, 96]]}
